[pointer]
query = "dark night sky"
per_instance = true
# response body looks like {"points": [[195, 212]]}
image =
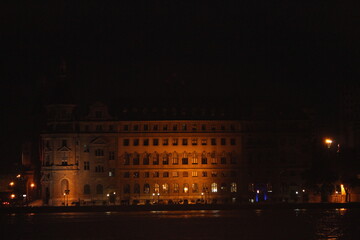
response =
{"points": [[290, 51]]}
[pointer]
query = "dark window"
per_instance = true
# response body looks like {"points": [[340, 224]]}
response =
{"points": [[146, 127], [127, 188], [185, 161], [184, 141], [136, 142], [175, 127], [146, 142], [213, 141], [99, 189], [98, 114], [99, 168], [126, 127], [233, 174], [165, 174], [126, 142], [232, 141], [223, 141], [87, 189], [222, 128], [203, 160], [223, 160], [165, 142], [64, 143], [203, 127], [136, 161], [111, 128], [155, 142], [146, 174], [99, 128], [86, 165], [175, 141], [126, 174], [155, 127], [146, 160], [99, 152], [156, 174], [183, 127], [136, 174], [136, 188], [185, 174], [165, 127], [136, 127], [204, 174], [111, 155], [165, 160]]}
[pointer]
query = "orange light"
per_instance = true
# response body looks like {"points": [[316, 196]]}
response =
{"points": [[12, 196], [328, 142], [18, 176], [32, 185], [11, 183]]}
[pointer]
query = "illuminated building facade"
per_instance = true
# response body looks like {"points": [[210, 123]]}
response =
{"points": [[100, 160]]}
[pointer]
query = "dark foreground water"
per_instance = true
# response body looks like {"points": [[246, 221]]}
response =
{"points": [[200, 224]]}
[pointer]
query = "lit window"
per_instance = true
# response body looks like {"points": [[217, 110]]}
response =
{"points": [[233, 187], [194, 159], [176, 187], [156, 187], [214, 187], [194, 141], [186, 188], [175, 174], [165, 142], [155, 159], [223, 187], [175, 141], [194, 173], [214, 174], [165, 188], [165, 159], [175, 160], [203, 141]]}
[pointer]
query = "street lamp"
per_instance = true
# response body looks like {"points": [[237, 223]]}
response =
{"points": [[328, 142], [158, 194], [11, 184]]}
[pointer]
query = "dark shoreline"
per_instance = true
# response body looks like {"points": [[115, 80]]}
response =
{"points": [[123, 208]]}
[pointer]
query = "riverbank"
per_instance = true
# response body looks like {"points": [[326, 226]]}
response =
{"points": [[123, 208]]}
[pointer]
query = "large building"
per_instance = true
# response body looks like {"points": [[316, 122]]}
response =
{"points": [[98, 160]]}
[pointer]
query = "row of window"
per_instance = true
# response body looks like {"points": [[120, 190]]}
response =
{"points": [[156, 174], [177, 127], [176, 142], [185, 158], [176, 188]]}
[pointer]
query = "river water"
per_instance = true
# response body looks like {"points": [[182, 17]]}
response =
{"points": [[289, 224]]}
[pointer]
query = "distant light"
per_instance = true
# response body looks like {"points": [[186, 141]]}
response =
{"points": [[12, 196], [107, 195], [64, 194], [297, 192], [158, 194], [24, 195], [18, 176], [11, 183], [153, 194], [202, 193], [328, 141], [303, 190], [114, 192], [343, 192], [32, 185], [257, 191]]}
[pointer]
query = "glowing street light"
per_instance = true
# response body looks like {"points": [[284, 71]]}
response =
{"points": [[11, 184], [12, 196], [32, 185], [328, 142]]}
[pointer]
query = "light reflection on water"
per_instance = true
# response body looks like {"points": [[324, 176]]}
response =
{"points": [[277, 224]]}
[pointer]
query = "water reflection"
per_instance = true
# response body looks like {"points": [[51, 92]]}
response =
{"points": [[196, 224]]}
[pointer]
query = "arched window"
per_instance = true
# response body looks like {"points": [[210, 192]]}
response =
{"points": [[233, 187], [165, 188], [203, 158], [165, 158], [146, 159], [64, 186], [127, 188], [155, 158], [87, 189], [135, 158], [195, 188], [186, 188], [175, 159], [126, 159], [146, 188], [99, 189], [136, 188], [176, 187], [214, 187], [223, 187], [194, 158], [156, 188]]}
